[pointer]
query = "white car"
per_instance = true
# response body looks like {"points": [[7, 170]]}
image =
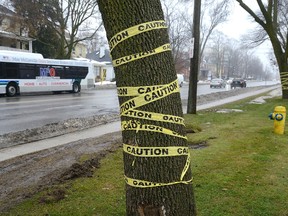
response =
{"points": [[180, 78], [217, 83]]}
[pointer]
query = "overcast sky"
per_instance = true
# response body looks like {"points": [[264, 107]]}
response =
{"points": [[240, 23]]}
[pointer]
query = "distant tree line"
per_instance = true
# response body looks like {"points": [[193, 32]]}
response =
{"points": [[223, 56]]}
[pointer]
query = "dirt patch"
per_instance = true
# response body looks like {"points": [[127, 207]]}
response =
{"points": [[23, 176], [54, 195]]}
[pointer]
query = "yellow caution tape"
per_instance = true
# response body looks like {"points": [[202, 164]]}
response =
{"points": [[284, 80], [137, 56], [135, 91], [150, 97], [160, 152], [147, 184], [154, 116], [135, 30], [186, 167], [146, 95], [156, 151], [128, 108], [137, 126]]}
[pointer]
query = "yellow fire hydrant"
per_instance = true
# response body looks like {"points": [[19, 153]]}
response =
{"points": [[279, 117]]}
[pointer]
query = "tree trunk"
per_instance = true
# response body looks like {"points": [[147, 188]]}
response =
{"points": [[282, 61], [158, 181]]}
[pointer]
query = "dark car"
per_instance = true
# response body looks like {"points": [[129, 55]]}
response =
{"points": [[238, 83]]}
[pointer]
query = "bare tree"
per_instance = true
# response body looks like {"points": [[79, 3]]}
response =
{"points": [[272, 18], [218, 12], [180, 25], [213, 13], [178, 32], [217, 52], [230, 60], [64, 17]]}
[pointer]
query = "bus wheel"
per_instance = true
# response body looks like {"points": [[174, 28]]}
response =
{"points": [[11, 90], [76, 87]]}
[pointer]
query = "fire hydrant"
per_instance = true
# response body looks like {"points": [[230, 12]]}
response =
{"points": [[279, 117]]}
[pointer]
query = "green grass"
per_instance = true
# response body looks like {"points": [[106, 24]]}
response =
{"points": [[242, 171]]}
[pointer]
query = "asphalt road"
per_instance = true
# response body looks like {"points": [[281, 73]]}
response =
{"points": [[30, 111]]}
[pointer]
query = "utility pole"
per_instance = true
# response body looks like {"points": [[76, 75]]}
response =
{"points": [[195, 60]]}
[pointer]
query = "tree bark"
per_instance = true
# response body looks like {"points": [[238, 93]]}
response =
{"points": [[144, 195]]}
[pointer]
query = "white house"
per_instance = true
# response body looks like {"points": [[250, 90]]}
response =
{"points": [[103, 56], [95, 69], [12, 35]]}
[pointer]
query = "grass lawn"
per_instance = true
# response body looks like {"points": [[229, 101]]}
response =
{"points": [[240, 169]]}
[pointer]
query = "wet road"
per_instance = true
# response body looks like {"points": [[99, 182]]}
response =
{"points": [[30, 111]]}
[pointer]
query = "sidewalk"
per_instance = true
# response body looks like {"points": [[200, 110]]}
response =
{"points": [[235, 98], [15, 151]]}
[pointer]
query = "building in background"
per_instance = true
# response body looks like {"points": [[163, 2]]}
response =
{"points": [[12, 35], [103, 56]]}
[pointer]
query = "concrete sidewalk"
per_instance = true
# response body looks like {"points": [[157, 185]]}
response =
{"points": [[235, 98], [11, 152], [15, 151]]}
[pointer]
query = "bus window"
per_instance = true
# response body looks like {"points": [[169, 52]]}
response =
{"points": [[1, 70], [27, 71], [75, 72], [12, 70], [82, 72], [59, 71]]}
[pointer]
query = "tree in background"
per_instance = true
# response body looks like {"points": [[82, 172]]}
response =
{"points": [[231, 60], [65, 18], [272, 17], [218, 12], [213, 13], [47, 42], [180, 25], [156, 157], [178, 32]]}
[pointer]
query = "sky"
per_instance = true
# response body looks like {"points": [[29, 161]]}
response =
{"points": [[240, 22]]}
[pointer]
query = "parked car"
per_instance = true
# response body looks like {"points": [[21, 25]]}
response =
{"points": [[238, 83], [217, 83]]}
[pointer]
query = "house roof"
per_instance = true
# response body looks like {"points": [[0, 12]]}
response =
{"points": [[6, 11], [96, 56], [92, 61]]}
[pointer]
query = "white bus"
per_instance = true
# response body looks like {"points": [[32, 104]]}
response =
{"points": [[27, 72]]}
